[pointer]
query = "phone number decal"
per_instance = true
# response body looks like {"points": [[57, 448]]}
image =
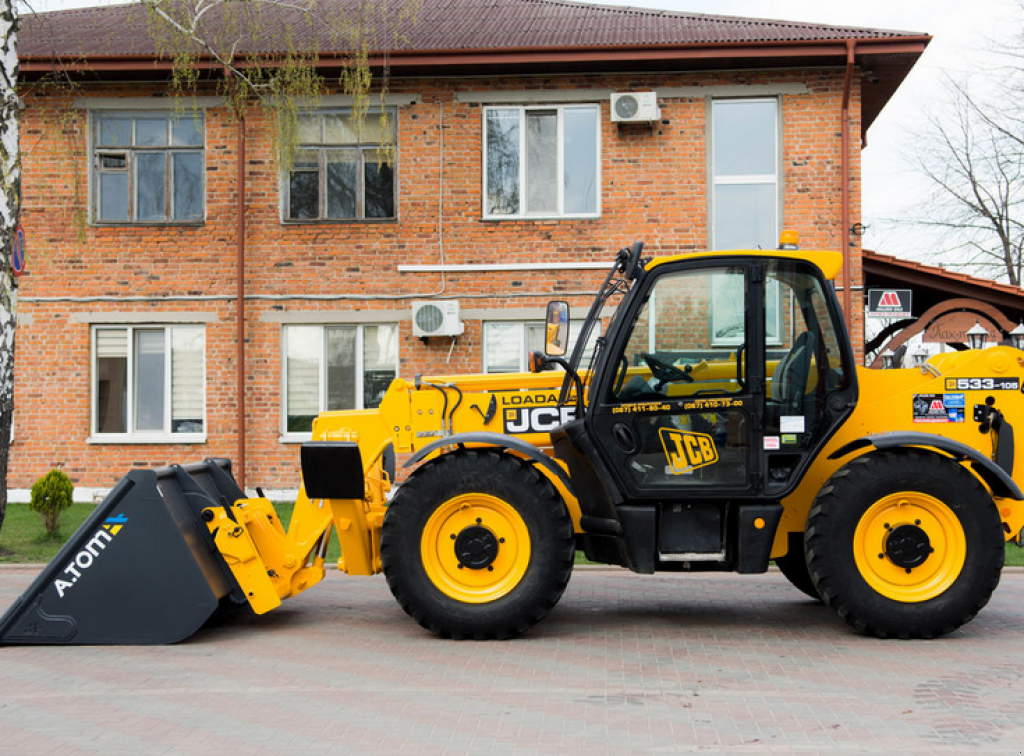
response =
{"points": [[982, 384]]}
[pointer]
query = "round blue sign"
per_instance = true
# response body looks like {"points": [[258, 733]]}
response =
{"points": [[18, 252]]}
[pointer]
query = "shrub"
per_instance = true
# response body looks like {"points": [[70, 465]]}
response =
{"points": [[51, 495]]}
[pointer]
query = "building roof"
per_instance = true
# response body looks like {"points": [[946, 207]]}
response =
{"points": [[473, 36], [887, 271]]}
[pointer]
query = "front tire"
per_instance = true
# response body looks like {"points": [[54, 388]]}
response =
{"points": [[477, 544], [904, 543]]}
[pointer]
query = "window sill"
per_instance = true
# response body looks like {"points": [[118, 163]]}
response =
{"points": [[538, 218], [147, 224], [335, 221], [155, 438], [295, 438]]}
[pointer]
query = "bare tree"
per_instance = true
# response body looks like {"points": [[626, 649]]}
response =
{"points": [[972, 154], [10, 204]]}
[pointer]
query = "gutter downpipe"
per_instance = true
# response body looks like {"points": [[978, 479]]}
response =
{"points": [[240, 302], [844, 236]]}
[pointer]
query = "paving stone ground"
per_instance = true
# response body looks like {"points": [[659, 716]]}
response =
{"points": [[625, 664]]}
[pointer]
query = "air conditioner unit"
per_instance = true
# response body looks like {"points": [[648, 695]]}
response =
{"points": [[436, 318], [635, 107]]}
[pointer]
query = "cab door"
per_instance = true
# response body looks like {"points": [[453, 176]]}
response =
{"points": [[675, 411]]}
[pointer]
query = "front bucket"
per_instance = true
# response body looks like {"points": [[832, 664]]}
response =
{"points": [[142, 569]]}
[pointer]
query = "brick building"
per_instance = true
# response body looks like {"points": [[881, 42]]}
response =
{"points": [[514, 180]]}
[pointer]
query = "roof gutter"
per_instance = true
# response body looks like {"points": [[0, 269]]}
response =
{"points": [[522, 55]]}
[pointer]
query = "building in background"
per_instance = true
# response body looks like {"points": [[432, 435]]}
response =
{"points": [[531, 141]]}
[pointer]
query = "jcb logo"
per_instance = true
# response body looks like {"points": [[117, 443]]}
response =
{"points": [[687, 451], [537, 419]]}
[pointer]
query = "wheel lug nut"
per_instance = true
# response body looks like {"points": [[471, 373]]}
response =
{"points": [[490, 568], [917, 522], [501, 540], [452, 536], [881, 556], [908, 570], [478, 520]]}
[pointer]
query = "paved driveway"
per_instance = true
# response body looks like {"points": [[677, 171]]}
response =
{"points": [[625, 664]]}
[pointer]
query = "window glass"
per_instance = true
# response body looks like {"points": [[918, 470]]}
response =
{"points": [[341, 368], [150, 132], [508, 345], [188, 186], [187, 394], [303, 376], [150, 185], [579, 148], [149, 380], [341, 171], [151, 179], [542, 161], [685, 338], [745, 174], [187, 131], [336, 368], [111, 381], [502, 162], [379, 185], [342, 178], [113, 196], [745, 140], [745, 216]]}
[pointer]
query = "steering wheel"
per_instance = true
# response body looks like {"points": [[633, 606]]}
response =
{"points": [[790, 377], [665, 372]]}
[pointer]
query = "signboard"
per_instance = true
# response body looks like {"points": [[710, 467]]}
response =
{"points": [[889, 303], [18, 252], [952, 328]]}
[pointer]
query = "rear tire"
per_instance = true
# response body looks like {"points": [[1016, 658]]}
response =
{"points": [[477, 544], [904, 543]]}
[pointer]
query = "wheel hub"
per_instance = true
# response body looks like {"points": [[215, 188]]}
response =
{"points": [[907, 546], [476, 547]]}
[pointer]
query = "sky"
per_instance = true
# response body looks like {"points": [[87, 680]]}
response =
{"points": [[962, 31]]}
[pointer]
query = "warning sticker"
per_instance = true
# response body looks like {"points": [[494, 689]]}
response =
{"points": [[939, 408]]}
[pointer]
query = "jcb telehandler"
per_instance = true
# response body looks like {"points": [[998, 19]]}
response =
{"points": [[722, 424]]}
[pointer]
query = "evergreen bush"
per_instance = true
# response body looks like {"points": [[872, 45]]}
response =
{"points": [[51, 495]]}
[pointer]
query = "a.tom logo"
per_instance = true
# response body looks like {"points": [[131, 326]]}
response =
{"points": [[536, 419], [687, 451], [92, 550]]}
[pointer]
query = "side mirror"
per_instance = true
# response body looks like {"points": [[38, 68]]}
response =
{"points": [[556, 338]]}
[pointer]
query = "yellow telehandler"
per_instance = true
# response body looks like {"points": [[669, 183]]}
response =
{"points": [[722, 423]]}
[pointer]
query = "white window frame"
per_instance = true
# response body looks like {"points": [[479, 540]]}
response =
{"points": [[560, 179], [524, 357], [750, 179], [131, 168], [772, 319], [361, 149], [288, 436], [164, 436]]}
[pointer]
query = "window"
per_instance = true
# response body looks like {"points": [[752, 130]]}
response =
{"points": [[745, 174], [149, 382], [335, 368], [147, 167], [541, 161], [507, 345], [342, 170], [745, 202]]}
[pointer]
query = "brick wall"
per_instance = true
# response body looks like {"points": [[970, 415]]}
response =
{"points": [[654, 189]]}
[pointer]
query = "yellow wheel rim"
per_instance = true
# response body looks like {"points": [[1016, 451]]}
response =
{"points": [[909, 547], [492, 539]]}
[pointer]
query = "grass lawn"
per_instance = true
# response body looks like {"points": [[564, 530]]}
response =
{"points": [[23, 538]]}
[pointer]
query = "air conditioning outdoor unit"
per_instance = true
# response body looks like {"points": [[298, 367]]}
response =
{"points": [[436, 318], [635, 107]]}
